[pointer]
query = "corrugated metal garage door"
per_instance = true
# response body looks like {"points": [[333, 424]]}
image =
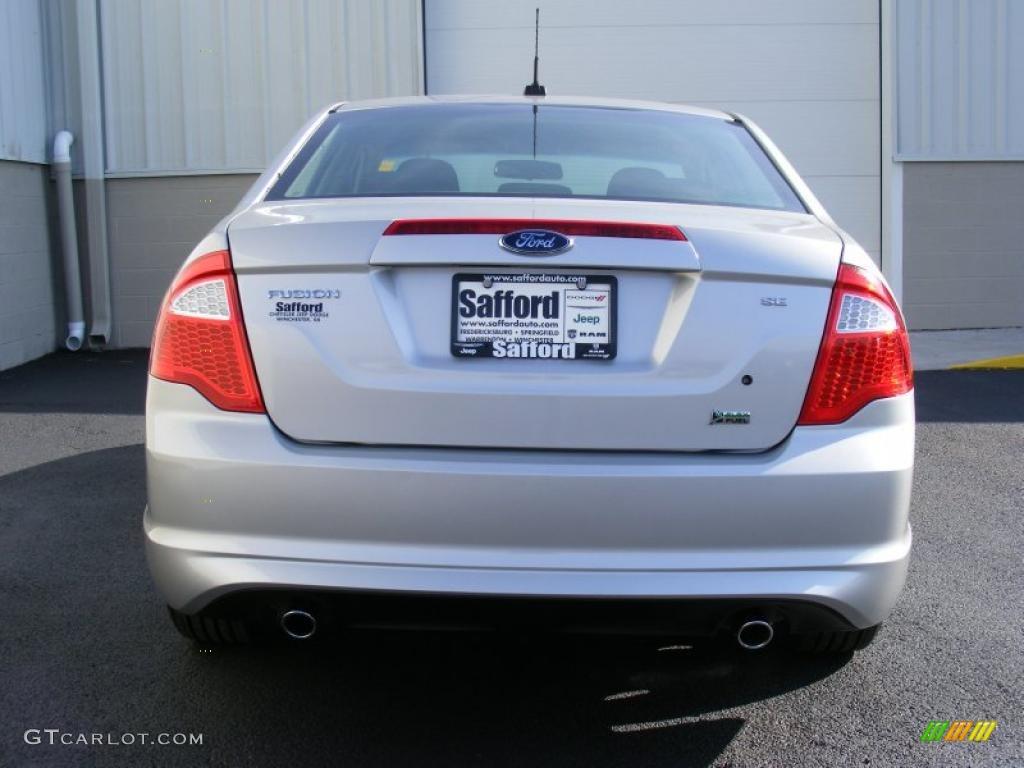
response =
{"points": [[959, 73], [215, 86], [806, 70]]}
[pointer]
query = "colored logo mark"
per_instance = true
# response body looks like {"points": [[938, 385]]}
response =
{"points": [[958, 730]]}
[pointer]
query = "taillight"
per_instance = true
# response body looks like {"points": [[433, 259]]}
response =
{"points": [[200, 339], [865, 353]]}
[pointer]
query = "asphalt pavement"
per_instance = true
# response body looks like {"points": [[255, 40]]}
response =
{"points": [[86, 647]]}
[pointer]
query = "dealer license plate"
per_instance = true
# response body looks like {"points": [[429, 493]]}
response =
{"points": [[533, 316]]}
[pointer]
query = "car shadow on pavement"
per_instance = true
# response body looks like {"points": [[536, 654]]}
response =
{"points": [[456, 699], [88, 647], [994, 396], [80, 382]]}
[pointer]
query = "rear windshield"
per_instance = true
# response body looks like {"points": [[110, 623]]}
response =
{"points": [[522, 150]]}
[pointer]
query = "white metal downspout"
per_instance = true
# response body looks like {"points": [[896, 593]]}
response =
{"points": [[69, 240], [94, 167], [892, 170]]}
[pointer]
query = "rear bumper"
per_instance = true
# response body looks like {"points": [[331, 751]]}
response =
{"points": [[821, 519]]}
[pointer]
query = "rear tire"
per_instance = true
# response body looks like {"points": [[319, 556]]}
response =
{"points": [[208, 630], [822, 643]]}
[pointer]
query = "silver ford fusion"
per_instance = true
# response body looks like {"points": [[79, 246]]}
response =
{"points": [[581, 364]]}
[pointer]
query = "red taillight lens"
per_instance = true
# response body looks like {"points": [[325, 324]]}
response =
{"points": [[864, 355], [200, 339], [562, 226]]}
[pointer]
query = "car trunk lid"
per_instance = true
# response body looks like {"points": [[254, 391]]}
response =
{"points": [[352, 330]]}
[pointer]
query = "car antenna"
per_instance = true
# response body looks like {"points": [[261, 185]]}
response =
{"points": [[535, 88]]}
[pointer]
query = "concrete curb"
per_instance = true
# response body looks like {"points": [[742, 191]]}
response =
{"points": [[1001, 363], [978, 349]]}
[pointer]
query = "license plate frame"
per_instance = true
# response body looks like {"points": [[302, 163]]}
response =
{"points": [[576, 338]]}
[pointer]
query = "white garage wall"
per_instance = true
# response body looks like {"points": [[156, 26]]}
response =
{"points": [[22, 85], [959, 70], [27, 296], [959, 79], [198, 86], [806, 70]]}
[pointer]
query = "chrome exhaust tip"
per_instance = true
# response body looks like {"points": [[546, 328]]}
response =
{"points": [[298, 625], [755, 635]]}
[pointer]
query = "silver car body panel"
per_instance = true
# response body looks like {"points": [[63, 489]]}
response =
{"points": [[382, 466], [235, 504]]}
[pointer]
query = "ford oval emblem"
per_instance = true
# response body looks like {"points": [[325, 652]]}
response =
{"points": [[535, 242]]}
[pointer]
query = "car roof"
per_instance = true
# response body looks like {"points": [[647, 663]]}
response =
{"points": [[573, 101]]}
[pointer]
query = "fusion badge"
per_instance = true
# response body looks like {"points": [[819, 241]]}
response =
{"points": [[289, 307]]}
